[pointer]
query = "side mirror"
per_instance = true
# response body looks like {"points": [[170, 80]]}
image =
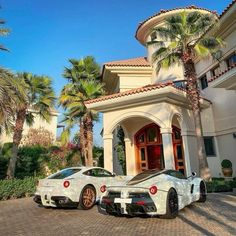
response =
{"points": [[194, 174]]}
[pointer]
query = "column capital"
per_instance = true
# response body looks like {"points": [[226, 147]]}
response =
{"points": [[107, 136], [166, 130], [127, 140]]}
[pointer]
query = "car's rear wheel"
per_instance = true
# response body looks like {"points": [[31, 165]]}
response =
{"points": [[202, 191], [172, 205], [87, 197]]}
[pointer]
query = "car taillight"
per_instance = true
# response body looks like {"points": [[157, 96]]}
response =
{"points": [[103, 188], [153, 189], [66, 184]]}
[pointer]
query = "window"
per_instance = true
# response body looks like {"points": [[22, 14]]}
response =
{"points": [[143, 156], [153, 36], [176, 174], [64, 173], [147, 174], [204, 83], [216, 71], [209, 146], [152, 135], [141, 138], [231, 60], [98, 173]]}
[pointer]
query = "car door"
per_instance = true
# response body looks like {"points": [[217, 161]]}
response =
{"points": [[183, 187]]}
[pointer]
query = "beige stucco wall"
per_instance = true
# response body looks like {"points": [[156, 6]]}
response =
{"points": [[227, 149], [127, 82], [38, 122]]}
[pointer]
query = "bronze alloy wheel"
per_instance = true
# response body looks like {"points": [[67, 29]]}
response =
{"points": [[88, 197]]}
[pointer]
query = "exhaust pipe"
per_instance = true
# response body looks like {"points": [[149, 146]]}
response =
{"points": [[61, 201]]}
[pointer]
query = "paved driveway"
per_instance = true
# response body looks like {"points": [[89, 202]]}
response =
{"points": [[23, 217]]}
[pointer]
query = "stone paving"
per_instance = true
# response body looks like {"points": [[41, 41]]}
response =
{"points": [[23, 217]]}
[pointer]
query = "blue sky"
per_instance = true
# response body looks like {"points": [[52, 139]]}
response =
{"points": [[46, 33]]}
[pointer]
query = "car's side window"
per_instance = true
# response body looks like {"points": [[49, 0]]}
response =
{"points": [[105, 173], [176, 174], [98, 173]]}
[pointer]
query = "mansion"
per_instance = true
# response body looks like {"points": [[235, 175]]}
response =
{"points": [[154, 112]]}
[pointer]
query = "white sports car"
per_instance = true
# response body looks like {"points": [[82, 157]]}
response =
{"points": [[153, 192], [76, 186]]}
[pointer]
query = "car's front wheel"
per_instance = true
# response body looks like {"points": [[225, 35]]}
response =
{"points": [[172, 205], [87, 197], [203, 194]]}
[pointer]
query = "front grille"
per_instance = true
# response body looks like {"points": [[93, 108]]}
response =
{"points": [[113, 194], [139, 195]]}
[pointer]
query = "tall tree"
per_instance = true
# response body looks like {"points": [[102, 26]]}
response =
{"points": [[38, 98], [83, 85], [9, 97], [180, 40]]}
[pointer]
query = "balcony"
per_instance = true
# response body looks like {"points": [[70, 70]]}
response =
{"points": [[226, 79]]}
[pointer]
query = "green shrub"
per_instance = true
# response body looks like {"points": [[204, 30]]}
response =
{"points": [[220, 185], [233, 183], [17, 188], [4, 159], [30, 161], [226, 163]]}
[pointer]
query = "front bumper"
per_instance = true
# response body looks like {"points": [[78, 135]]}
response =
{"points": [[55, 201]]}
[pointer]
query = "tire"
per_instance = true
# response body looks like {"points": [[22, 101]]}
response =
{"points": [[172, 205], [87, 197], [202, 190]]}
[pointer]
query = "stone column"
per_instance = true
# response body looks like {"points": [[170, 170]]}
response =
{"points": [[108, 151], [168, 148], [130, 158], [185, 141]]}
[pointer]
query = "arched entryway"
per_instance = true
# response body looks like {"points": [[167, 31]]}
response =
{"points": [[149, 148]]}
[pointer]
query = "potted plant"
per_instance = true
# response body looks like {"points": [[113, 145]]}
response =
{"points": [[227, 168]]}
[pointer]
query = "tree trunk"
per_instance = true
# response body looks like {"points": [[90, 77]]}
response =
{"points": [[82, 137], [89, 140], [194, 98], [17, 136]]}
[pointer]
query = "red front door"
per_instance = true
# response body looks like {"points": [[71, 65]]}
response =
{"points": [[154, 154]]}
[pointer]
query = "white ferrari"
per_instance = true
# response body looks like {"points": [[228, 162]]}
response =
{"points": [[76, 186], [153, 192]]}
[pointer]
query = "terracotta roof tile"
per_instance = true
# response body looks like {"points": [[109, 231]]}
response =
{"points": [[134, 91], [169, 10], [222, 73], [139, 61], [227, 8]]}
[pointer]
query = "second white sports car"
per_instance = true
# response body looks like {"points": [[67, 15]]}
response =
{"points": [[76, 186], [153, 192]]}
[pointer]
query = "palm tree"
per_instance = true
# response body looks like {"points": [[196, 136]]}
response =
{"points": [[38, 97], [3, 32], [9, 96], [181, 41], [83, 86]]}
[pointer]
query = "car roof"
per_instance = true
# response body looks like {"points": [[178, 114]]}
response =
{"points": [[83, 168]]}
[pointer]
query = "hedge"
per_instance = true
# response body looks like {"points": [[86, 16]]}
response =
{"points": [[220, 185], [17, 188]]}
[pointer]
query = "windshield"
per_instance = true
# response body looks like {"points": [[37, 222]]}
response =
{"points": [[147, 174], [64, 173]]}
